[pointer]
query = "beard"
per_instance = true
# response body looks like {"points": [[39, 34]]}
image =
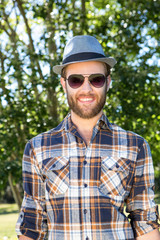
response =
{"points": [[86, 112]]}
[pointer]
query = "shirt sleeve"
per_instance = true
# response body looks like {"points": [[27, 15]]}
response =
{"points": [[32, 221], [140, 204]]}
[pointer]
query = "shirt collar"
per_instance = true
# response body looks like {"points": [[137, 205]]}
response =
{"points": [[67, 124], [103, 123]]}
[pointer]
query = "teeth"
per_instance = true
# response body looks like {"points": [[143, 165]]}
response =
{"points": [[86, 99]]}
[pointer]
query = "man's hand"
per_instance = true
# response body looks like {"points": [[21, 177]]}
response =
{"points": [[154, 235], [27, 238]]}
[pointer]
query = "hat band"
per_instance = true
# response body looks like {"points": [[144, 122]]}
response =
{"points": [[82, 56]]}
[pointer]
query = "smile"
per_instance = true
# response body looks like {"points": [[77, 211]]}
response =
{"points": [[86, 99]]}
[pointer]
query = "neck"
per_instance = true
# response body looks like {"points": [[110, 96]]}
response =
{"points": [[85, 126]]}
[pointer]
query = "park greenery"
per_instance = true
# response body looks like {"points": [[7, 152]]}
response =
{"points": [[8, 219], [33, 35]]}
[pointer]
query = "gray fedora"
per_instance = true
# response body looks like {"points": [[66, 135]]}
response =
{"points": [[83, 48]]}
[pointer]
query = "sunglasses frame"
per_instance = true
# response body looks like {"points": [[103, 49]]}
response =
{"points": [[90, 79]]}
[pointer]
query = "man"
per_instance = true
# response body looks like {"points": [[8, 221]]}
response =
{"points": [[79, 175]]}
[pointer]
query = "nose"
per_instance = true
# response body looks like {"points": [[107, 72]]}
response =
{"points": [[86, 86]]}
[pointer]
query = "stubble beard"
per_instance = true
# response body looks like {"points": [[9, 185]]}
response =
{"points": [[86, 112]]}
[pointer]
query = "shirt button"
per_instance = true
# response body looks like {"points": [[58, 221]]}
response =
{"points": [[54, 165], [85, 162], [85, 211], [44, 177], [85, 185]]}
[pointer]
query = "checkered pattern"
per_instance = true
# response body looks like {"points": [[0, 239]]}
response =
{"points": [[78, 192]]}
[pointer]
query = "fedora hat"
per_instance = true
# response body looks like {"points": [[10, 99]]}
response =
{"points": [[83, 48]]}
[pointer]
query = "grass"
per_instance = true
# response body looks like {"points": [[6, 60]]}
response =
{"points": [[9, 216]]}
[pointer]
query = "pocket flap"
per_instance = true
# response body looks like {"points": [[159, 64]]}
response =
{"points": [[116, 164], [55, 164]]}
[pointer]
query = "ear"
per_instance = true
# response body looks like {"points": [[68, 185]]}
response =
{"points": [[108, 82], [63, 83]]}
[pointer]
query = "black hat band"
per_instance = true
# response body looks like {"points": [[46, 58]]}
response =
{"points": [[82, 57]]}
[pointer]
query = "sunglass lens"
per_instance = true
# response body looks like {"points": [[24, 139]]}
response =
{"points": [[75, 81], [97, 80]]}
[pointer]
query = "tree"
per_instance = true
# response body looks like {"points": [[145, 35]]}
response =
{"points": [[132, 30], [33, 36]]}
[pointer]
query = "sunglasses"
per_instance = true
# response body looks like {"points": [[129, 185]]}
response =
{"points": [[76, 80]]}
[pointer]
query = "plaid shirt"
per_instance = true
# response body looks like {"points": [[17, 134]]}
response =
{"points": [[78, 192]]}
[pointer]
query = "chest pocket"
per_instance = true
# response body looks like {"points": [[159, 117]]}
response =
{"points": [[56, 173], [114, 175]]}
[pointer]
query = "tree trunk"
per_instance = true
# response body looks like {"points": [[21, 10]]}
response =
{"points": [[15, 191]]}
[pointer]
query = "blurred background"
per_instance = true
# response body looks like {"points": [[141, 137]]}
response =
{"points": [[33, 35]]}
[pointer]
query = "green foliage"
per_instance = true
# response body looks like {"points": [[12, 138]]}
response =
{"points": [[33, 36]]}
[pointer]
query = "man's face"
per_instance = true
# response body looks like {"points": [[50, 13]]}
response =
{"points": [[86, 101]]}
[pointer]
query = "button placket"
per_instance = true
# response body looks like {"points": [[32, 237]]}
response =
{"points": [[86, 192], [85, 162], [85, 168], [85, 211]]}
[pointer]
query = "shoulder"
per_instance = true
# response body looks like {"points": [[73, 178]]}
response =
{"points": [[129, 143], [131, 137], [47, 138]]}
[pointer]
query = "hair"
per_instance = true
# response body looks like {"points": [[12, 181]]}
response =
{"points": [[107, 69], [63, 72], [106, 66]]}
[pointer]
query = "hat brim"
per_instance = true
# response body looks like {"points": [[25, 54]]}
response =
{"points": [[109, 60]]}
